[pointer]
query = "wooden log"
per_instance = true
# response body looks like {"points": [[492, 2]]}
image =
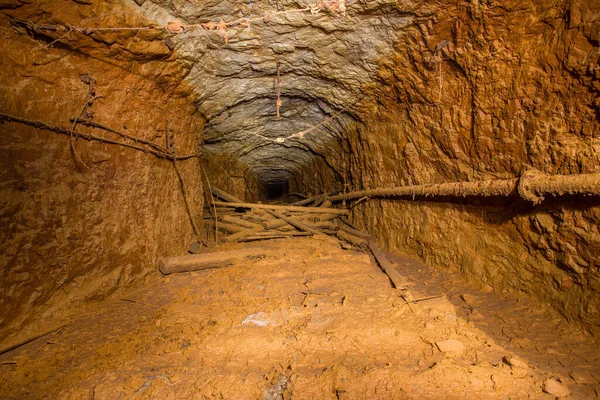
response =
{"points": [[307, 201], [326, 204], [300, 225], [360, 238], [317, 217], [278, 235], [356, 232], [313, 199], [329, 232], [247, 232], [322, 210], [222, 211], [229, 228], [330, 226], [272, 233], [352, 239], [259, 216], [319, 201], [202, 261], [279, 223], [301, 195], [276, 223], [347, 222], [239, 221], [225, 196]]}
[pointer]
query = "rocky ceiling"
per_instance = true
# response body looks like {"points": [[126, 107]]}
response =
{"points": [[325, 59]]}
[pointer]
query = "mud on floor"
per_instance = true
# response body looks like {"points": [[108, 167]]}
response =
{"points": [[316, 322]]}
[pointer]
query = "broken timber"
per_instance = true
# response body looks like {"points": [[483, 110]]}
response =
{"points": [[245, 231], [297, 224], [265, 221], [323, 210], [363, 240], [198, 262], [225, 196]]}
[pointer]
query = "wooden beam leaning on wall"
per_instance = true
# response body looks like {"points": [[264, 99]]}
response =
{"points": [[366, 241], [225, 196]]}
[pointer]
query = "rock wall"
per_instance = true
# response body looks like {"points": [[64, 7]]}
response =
{"points": [[226, 172], [78, 225], [484, 90]]}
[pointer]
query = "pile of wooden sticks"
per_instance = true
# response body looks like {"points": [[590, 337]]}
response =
{"points": [[244, 222]]}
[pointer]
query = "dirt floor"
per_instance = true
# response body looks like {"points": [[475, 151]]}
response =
{"points": [[315, 322]]}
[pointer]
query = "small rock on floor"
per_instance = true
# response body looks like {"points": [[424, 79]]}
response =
{"points": [[556, 388], [451, 346]]}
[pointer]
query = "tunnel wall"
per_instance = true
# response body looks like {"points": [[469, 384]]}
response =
{"points": [[480, 91], [318, 176], [226, 172], [74, 233]]}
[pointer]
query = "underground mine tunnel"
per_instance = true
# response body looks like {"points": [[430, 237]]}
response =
{"points": [[351, 199]]}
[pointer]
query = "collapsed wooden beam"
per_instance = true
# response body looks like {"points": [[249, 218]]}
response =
{"points": [[239, 235], [240, 222], [295, 223], [196, 262], [278, 223], [322, 210], [356, 232], [311, 219], [365, 240], [315, 198], [352, 239], [317, 217], [273, 235], [229, 228], [308, 200], [331, 226], [225, 196], [386, 266]]}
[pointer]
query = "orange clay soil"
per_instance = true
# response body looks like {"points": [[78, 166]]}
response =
{"points": [[252, 331]]}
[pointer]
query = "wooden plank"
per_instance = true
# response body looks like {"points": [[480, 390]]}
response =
{"points": [[229, 228], [225, 196], [356, 232], [317, 217], [331, 226], [308, 201], [276, 235], [239, 221], [319, 197], [202, 261], [386, 266], [247, 232], [326, 204], [352, 239], [295, 223], [321, 210], [274, 224]]}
